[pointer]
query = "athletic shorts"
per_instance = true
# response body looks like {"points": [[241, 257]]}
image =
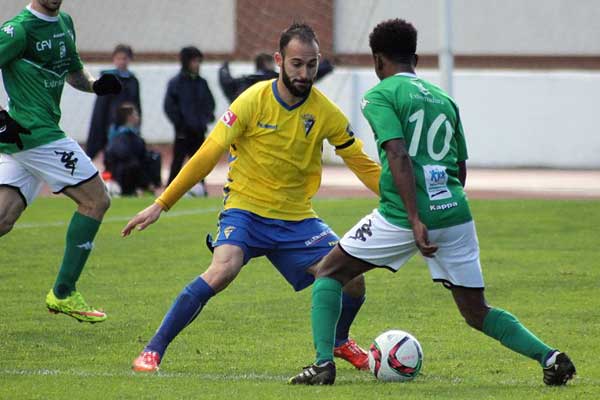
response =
{"points": [[456, 262], [291, 246], [61, 164]]}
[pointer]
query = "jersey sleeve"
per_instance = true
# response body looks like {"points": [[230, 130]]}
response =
{"points": [[382, 117], [12, 42], [234, 121], [76, 63]]}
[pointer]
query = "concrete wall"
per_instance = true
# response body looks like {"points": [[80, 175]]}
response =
{"points": [[532, 27], [488, 27], [147, 25], [511, 119]]}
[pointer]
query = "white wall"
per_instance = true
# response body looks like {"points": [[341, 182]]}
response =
{"points": [[511, 118], [531, 27], [147, 25]]}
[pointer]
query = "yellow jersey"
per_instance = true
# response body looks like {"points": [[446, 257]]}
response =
{"points": [[275, 150]]}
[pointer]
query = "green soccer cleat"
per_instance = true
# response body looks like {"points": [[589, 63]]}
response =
{"points": [[74, 306]]}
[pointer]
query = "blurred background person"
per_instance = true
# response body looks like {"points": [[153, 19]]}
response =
{"points": [[265, 70], [105, 108], [126, 158], [190, 106]]}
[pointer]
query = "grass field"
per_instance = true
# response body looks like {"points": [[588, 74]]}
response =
{"points": [[540, 260]]}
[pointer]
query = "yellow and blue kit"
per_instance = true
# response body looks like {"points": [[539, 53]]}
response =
{"points": [[275, 153]]}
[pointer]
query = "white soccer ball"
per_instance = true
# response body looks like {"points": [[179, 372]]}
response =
{"points": [[395, 356]]}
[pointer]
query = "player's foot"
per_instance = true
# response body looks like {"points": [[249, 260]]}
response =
{"points": [[147, 361], [353, 353], [323, 374], [74, 306], [559, 369]]}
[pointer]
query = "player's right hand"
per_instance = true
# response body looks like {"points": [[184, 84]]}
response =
{"points": [[147, 216], [422, 240], [10, 130]]}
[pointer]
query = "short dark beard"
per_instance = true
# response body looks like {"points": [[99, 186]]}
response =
{"points": [[292, 89], [50, 10]]}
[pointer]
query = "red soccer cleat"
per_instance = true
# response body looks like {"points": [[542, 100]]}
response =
{"points": [[147, 361], [353, 353]]}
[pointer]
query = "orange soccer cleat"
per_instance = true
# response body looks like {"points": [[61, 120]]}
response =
{"points": [[353, 353], [147, 361]]}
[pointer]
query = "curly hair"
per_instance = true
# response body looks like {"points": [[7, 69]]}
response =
{"points": [[298, 30], [395, 38]]}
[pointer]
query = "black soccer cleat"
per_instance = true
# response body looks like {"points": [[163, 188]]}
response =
{"points": [[323, 374], [561, 371]]}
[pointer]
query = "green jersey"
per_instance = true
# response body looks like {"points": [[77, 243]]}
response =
{"points": [[406, 107], [36, 54]]}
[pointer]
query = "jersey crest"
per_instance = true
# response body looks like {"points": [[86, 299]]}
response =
{"points": [[309, 122]]}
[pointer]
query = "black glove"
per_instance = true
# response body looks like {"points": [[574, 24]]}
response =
{"points": [[107, 84], [10, 130]]}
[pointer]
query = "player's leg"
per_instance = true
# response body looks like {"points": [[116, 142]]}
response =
{"points": [[360, 250], [457, 264], [18, 188], [66, 168], [226, 264], [179, 153], [12, 206], [299, 246]]}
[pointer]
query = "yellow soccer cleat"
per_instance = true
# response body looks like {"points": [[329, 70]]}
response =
{"points": [[74, 306]]}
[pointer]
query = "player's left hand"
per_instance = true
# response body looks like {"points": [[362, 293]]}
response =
{"points": [[422, 240], [147, 216], [10, 130], [107, 84]]}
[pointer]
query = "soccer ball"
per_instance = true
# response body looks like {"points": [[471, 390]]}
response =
{"points": [[395, 356]]}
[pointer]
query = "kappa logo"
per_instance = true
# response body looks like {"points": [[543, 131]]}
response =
{"points": [[227, 231], [309, 122], [229, 118], [424, 91], [363, 231], [86, 246], [363, 103], [9, 30], [67, 159]]}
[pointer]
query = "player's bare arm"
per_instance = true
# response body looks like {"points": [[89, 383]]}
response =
{"points": [[146, 217], [81, 80], [462, 172], [84, 81], [402, 171]]}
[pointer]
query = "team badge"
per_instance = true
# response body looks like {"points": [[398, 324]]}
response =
{"points": [[63, 49], [229, 118], [227, 231], [349, 130], [309, 122]]}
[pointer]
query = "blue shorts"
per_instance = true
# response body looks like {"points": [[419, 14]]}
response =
{"points": [[291, 246]]}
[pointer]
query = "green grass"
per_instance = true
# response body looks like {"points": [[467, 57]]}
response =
{"points": [[540, 261]]}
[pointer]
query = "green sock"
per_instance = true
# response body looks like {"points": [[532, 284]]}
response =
{"points": [[80, 240], [326, 309], [506, 328]]}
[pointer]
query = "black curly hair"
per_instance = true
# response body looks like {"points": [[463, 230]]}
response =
{"points": [[298, 30], [396, 39]]}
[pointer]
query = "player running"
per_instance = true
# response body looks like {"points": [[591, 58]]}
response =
{"points": [[37, 56], [274, 132], [422, 150]]}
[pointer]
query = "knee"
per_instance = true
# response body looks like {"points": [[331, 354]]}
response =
{"points": [[96, 207], [7, 222], [474, 317], [356, 286]]}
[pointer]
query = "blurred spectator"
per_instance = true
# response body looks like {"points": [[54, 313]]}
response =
{"points": [[265, 69], [105, 108], [189, 105], [130, 164]]}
